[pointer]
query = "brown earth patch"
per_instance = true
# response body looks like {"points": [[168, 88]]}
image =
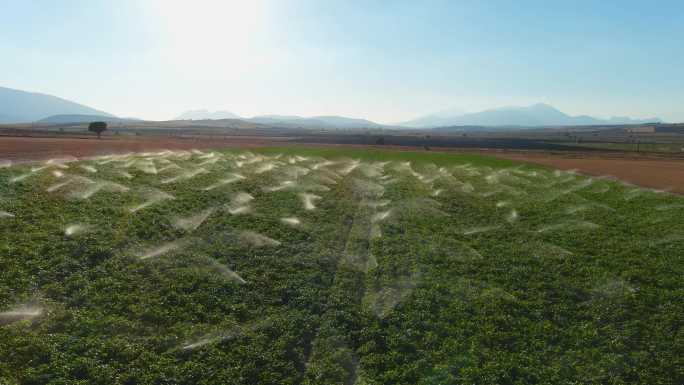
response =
{"points": [[657, 172], [23, 148], [653, 171]]}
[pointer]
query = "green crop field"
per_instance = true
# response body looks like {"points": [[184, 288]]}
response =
{"points": [[335, 266]]}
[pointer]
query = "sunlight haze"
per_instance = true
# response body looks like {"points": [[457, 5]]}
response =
{"points": [[384, 61]]}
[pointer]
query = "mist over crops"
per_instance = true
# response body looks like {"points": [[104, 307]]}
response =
{"points": [[286, 266]]}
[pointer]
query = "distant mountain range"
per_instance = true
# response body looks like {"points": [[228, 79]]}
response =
{"points": [[314, 122], [206, 114], [291, 121], [22, 107], [18, 106], [529, 116], [77, 118]]}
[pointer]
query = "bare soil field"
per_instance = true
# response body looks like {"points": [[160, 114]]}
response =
{"points": [[658, 172], [24, 148]]}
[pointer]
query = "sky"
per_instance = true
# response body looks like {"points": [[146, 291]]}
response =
{"points": [[387, 61]]}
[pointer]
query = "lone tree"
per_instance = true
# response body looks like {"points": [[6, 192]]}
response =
{"points": [[97, 127]]}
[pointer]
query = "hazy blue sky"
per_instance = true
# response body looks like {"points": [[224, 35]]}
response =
{"points": [[383, 60]]}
